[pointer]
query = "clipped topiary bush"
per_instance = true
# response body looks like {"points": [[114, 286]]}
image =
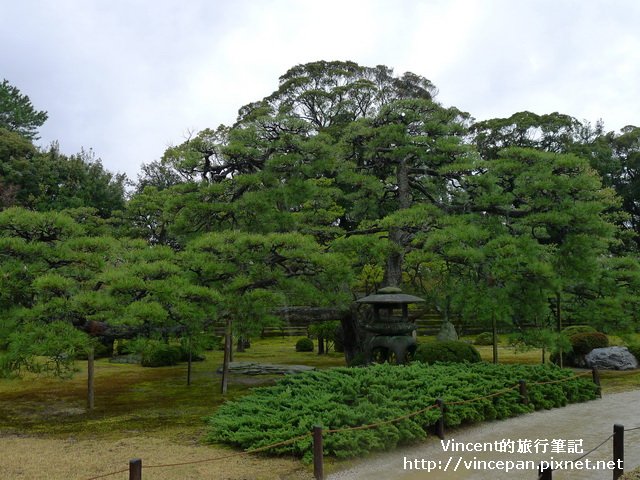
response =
{"points": [[583, 343], [449, 351], [575, 329], [485, 338], [161, 355], [304, 345]]}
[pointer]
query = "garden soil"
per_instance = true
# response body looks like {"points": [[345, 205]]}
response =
{"points": [[591, 423]]}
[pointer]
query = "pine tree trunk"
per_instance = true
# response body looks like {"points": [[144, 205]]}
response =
{"points": [[189, 360], [352, 343], [393, 270], [559, 325], [227, 357], [90, 379], [494, 329]]}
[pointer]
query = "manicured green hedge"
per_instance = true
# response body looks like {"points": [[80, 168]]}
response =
{"points": [[304, 345], [161, 355], [574, 329], [344, 397], [583, 343], [449, 351]]}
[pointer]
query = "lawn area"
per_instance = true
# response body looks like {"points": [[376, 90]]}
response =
{"points": [[133, 399]]}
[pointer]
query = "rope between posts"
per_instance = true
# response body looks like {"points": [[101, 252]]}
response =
{"points": [[361, 427], [222, 457], [564, 379], [475, 399], [246, 452], [385, 422], [594, 449], [109, 474], [603, 442]]}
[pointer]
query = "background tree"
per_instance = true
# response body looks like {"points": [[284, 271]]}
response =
{"points": [[54, 265], [17, 114]]}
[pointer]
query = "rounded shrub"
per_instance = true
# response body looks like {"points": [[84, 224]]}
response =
{"points": [[583, 343], [161, 355], [485, 338], [447, 351], [304, 345], [575, 329]]}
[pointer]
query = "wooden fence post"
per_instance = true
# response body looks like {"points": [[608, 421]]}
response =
{"points": [[318, 465], [618, 450], [135, 469], [524, 395], [545, 473], [596, 379], [440, 424]]}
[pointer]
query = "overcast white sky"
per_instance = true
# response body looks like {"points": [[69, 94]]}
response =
{"points": [[128, 78]]}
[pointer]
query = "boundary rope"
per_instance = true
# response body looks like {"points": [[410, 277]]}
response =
{"points": [[594, 449]]}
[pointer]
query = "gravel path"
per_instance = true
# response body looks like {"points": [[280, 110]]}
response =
{"points": [[590, 423]]}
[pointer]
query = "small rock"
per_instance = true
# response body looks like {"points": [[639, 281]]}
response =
{"points": [[611, 358], [250, 368], [447, 332]]}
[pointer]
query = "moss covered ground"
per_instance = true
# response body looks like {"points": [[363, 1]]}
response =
{"points": [[131, 399]]}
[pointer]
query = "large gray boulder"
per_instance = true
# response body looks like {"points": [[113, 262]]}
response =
{"points": [[611, 358]]}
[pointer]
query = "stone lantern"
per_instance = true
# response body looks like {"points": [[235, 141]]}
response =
{"points": [[391, 335]]}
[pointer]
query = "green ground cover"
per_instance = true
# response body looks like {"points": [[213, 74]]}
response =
{"points": [[351, 397]]}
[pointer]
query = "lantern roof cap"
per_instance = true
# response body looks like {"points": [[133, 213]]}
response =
{"points": [[390, 295]]}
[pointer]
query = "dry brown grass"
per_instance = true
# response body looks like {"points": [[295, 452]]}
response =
{"points": [[70, 459]]}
